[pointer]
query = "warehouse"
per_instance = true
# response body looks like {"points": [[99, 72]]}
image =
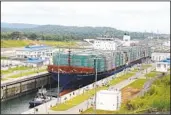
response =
{"points": [[163, 65], [35, 51], [157, 56], [105, 44], [36, 62]]}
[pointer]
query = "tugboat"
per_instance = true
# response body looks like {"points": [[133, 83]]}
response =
{"points": [[40, 98]]}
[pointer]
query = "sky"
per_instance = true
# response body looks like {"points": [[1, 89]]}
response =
{"points": [[129, 16]]}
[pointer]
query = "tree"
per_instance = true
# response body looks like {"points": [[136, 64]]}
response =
{"points": [[33, 36], [16, 35]]}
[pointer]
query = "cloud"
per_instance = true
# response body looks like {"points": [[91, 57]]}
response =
{"points": [[131, 16]]}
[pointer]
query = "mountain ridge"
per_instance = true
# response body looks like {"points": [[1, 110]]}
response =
{"points": [[84, 32]]}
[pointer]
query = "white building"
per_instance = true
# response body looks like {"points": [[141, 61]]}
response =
{"points": [[108, 100], [37, 51], [162, 66], [126, 40], [156, 56], [104, 44], [37, 62], [167, 43], [111, 43]]}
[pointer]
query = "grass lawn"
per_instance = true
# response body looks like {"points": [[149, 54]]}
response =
{"points": [[139, 83], [121, 111], [157, 97], [121, 78], [145, 66], [59, 43], [91, 111], [10, 70], [79, 99], [27, 73], [22, 43], [135, 70], [2, 57], [151, 74], [3, 79], [76, 100], [24, 74]]}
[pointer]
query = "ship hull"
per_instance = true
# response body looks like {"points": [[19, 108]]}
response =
{"points": [[76, 80]]}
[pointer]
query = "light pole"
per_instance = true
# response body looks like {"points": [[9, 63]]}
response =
{"points": [[58, 74], [95, 64]]}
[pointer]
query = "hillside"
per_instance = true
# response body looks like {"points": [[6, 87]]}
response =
{"points": [[78, 33], [17, 25]]}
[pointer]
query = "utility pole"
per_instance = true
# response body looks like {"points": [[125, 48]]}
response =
{"points": [[95, 63], [58, 74]]}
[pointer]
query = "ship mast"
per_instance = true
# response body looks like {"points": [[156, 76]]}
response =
{"points": [[69, 57], [69, 54]]}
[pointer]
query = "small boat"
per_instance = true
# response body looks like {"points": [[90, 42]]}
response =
{"points": [[40, 98]]}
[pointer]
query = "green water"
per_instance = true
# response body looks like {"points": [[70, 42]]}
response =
{"points": [[18, 104]]}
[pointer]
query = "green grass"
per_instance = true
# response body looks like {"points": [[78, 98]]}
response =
{"points": [[79, 99], [152, 74], [24, 74], [137, 84], [2, 57], [145, 66], [22, 43], [59, 43], [91, 111], [27, 73], [14, 43], [135, 70], [158, 97], [4, 79], [76, 100], [10, 70], [121, 78]]}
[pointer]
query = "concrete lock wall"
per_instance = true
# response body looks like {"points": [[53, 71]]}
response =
{"points": [[11, 91]]}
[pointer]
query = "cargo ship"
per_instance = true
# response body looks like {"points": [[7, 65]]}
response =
{"points": [[78, 68]]}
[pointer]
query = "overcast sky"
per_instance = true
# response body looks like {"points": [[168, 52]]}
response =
{"points": [[131, 16]]}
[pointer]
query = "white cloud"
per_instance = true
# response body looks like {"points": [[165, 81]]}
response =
{"points": [[132, 16]]}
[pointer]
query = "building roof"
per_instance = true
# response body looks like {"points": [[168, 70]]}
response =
{"points": [[35, 47], [167, 60], [34, 60]]}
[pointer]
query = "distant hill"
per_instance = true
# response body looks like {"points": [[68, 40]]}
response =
{"points": [[17, 25], [77, 32]]}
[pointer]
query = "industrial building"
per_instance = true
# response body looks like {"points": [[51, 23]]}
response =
{"points": [[163, 66], [36, 62], [110, 43], [167, 43], [157, 56], [35, 51]]}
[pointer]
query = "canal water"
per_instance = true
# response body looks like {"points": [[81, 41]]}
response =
{"points": [[21, 104], [18, 104]]}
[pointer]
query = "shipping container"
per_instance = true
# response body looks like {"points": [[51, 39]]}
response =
{"points": [[106, 60]]}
